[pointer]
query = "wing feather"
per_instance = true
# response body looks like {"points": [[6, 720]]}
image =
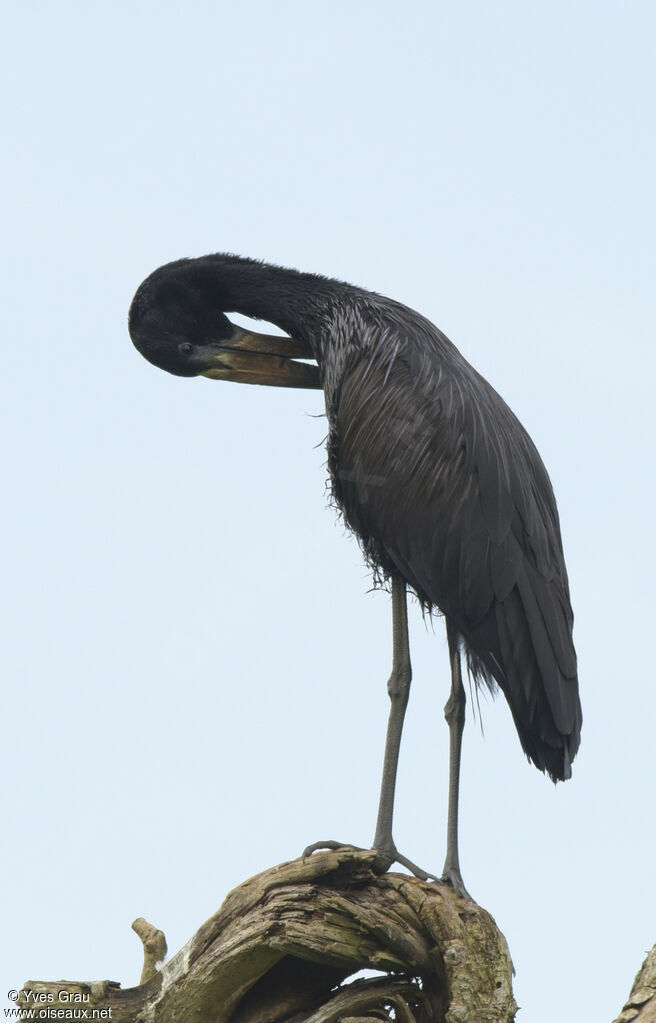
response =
{"points": [[443, 485]]}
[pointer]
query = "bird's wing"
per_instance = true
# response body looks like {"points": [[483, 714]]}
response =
{"points": [[444, 486]]}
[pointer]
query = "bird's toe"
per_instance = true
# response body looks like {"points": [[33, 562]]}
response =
{"points": [[453, 877], [419, 872], [328, 844]]}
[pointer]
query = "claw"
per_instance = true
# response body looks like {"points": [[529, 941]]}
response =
{"points": [[453, 877]]}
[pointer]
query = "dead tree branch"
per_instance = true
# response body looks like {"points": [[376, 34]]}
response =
{"points": [[641, 1004], [283, 945]]}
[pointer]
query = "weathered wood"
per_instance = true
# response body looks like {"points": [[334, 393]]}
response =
{"points": [[282, 945], [641, 1004], [154, 944]]}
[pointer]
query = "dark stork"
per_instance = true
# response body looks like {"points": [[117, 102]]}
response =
{"points": [[439, 481]]}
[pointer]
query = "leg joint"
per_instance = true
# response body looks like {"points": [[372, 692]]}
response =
{"points": [[398, 685], [454, 708]]}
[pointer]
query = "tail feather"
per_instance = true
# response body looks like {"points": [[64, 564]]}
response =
{"points": [[514, 645]]}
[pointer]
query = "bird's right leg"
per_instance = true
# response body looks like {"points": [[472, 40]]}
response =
{"points": [[454, 712]]}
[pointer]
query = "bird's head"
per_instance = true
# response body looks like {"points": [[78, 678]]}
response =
{"points": [[176, 328]]}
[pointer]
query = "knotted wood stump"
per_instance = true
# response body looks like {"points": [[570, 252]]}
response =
{"points": [[283, 944], [641, 1004]]}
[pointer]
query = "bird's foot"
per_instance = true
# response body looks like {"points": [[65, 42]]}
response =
{"points": [[419, 872], [329, 844], [453, 877], [385, 856]]}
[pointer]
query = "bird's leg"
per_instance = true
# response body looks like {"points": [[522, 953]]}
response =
{"points": [[398, 688], [454, 712]]}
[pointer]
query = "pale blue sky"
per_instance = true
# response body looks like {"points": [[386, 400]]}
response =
{"points": [[195, 669]]}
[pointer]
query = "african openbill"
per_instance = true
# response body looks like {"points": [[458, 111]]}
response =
{"points": [[442, 485]]}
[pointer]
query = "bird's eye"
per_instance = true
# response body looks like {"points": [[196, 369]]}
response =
{"points": [[186, 348]]}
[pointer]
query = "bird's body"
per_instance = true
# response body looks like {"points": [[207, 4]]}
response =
{"points": [[431, 469], [443, 486]]}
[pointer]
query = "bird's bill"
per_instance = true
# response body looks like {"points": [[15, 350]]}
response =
{"points": [[251, 358]]}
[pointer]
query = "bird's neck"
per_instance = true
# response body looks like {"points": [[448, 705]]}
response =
{"points": [[298, 303]]}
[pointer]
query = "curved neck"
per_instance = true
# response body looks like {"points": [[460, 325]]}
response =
{"points": [[296, 302]]}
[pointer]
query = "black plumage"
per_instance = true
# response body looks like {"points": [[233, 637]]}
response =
{"points": [[433, 472], [459, 503]]}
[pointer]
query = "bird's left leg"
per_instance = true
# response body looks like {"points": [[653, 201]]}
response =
{"points": [[398, 688]]}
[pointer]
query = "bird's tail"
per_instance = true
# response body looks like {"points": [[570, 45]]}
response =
{"points": [[524, 644]]}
